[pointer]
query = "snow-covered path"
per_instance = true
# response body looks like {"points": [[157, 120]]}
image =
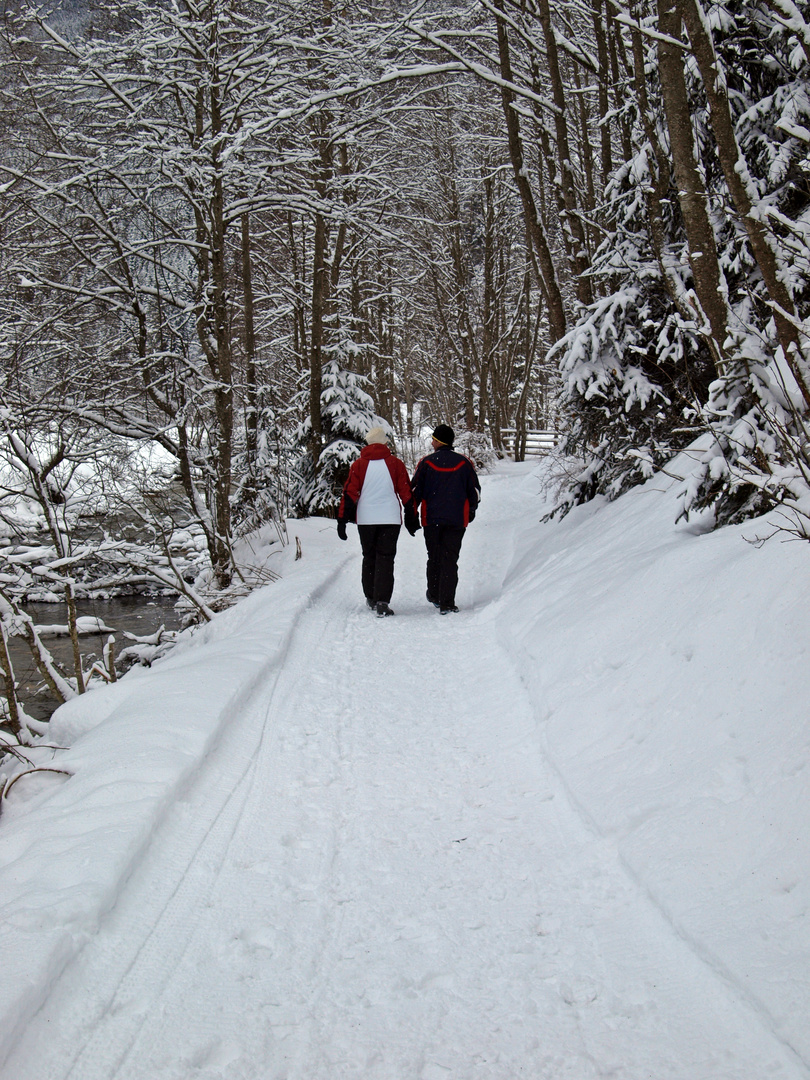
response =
{"points": [[377, 875]]}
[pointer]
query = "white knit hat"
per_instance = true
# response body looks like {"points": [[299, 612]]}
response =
{"points": [[376, 435]]}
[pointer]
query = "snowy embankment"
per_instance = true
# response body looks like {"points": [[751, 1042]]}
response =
{"points": [[664, 679], [669, 671], [66, 849]]}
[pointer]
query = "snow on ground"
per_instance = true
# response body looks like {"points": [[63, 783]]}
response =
{"points": [[562, 834]]}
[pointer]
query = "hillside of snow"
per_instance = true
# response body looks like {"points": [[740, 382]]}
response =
{"points": [[562, 834], [669, 670]]}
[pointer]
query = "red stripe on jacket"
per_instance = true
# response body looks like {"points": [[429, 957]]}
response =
{"points": [[454, 501]]}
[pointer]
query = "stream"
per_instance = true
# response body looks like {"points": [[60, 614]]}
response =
{"points": [[139, 615]]}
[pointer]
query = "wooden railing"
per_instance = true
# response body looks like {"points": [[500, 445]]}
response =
{"points": [[537, 442]]}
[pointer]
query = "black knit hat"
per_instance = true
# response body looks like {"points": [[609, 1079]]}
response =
{"points": [[444, 434]]}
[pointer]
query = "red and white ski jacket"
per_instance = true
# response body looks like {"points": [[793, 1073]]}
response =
{"points": [[376, 485]]}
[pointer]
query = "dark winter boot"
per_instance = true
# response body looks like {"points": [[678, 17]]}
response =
{"points": [[447, 610], [383, 609], [430, 599]]}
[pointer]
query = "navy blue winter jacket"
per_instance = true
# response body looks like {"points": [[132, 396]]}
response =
{"points": [[446, 489]]}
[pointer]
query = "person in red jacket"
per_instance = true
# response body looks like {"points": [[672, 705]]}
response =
{"points": [[445, 488], [376, 485]]}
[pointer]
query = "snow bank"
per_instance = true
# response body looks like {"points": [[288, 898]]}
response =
{"points": [[68, 845], [670, 677]]}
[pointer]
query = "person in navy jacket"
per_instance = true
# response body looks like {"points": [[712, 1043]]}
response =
{"points": [[376, 485], [446, 492]]}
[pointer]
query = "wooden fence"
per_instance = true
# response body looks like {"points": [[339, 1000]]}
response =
{"points": [[537, 442]]}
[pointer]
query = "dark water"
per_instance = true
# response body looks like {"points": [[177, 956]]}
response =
{"points": [[135, 614]]}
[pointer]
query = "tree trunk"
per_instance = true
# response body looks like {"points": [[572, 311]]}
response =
{"points": [[13, 721], [320, 289], [572, 221], [710, 287], [300, 345], [743, 191], [548, 274], [530, 340], [617, 51], [659, 190], [488, 334], [251, 390], [70, 601], [384, 382], [466, 350], [600, 33], [220, 359], [587, 155]]}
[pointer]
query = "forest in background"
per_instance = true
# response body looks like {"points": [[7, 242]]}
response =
{"points": [[236, 234]]}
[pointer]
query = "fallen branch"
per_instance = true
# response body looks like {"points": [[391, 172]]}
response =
{"points": [[9, 784]]}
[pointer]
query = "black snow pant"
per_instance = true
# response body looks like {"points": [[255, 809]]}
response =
{"points": [[379, 544], [443, 543]]}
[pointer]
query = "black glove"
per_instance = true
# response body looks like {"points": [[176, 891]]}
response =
{"points": [[411, 519], [342, 529], [471, 515]]}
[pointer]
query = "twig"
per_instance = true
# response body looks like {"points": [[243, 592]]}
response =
{"points": [[40, 768]]}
